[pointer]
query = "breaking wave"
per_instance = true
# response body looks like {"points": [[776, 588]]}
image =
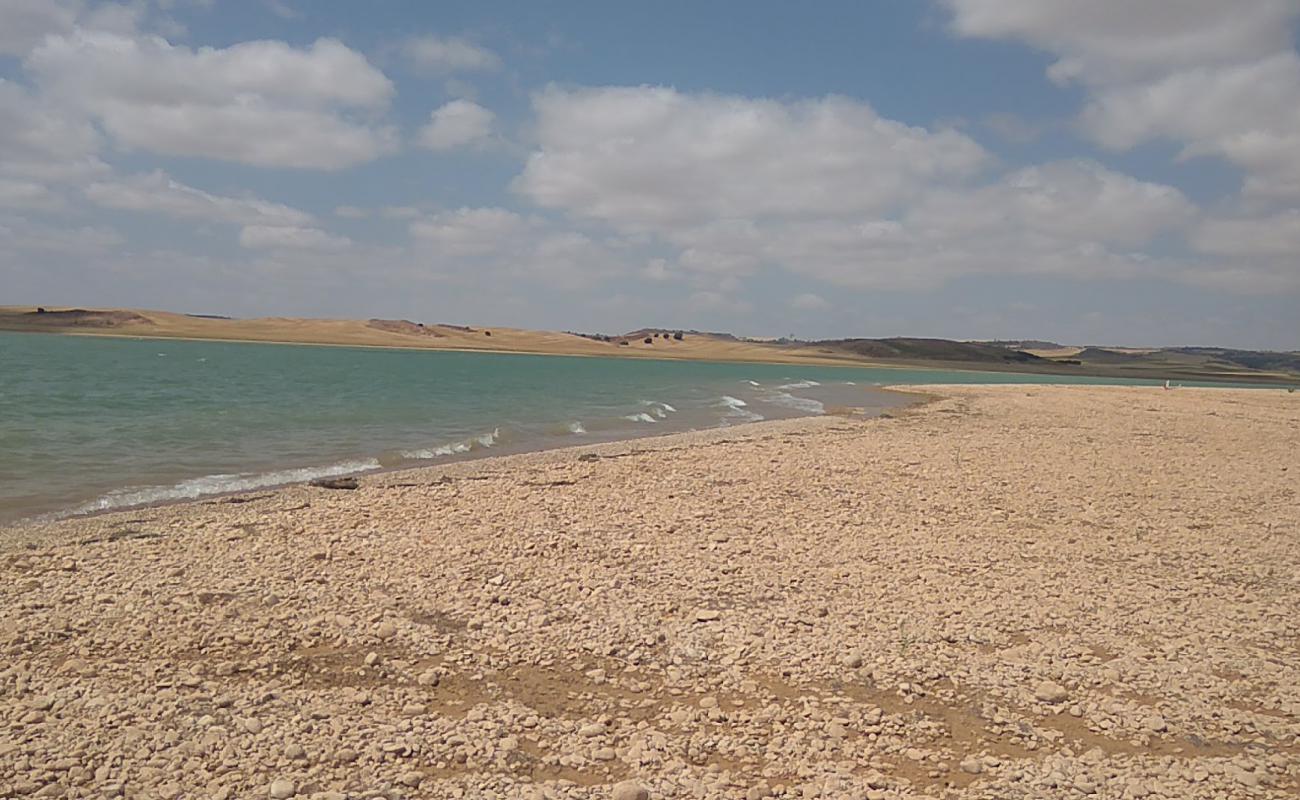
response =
{"points": [[576, 428], [737, 409], [208, 485], [805, 384], [642, 417], [454, 448], [660, 410]]}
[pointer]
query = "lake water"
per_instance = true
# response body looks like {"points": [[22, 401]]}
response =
{"points": [[93, 423]]}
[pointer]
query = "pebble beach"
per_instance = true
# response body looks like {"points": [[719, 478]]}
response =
{"points": [[998, 592]]}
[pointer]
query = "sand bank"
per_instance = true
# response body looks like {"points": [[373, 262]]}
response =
{"points": [[1013, 591]]}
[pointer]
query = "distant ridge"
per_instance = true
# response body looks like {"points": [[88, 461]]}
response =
{"points": [[1022, 355]]}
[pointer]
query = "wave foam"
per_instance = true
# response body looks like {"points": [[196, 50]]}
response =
{"points": [[576, 428], [805, 404], [737, 409], [642, 417], [454, 448], [805, 384], [208, 485]]}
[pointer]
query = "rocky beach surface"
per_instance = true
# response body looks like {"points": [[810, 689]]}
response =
{"points": [[1007, 592]]}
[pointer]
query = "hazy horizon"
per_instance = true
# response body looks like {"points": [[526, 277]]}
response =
{"points": [[1112, 173]]}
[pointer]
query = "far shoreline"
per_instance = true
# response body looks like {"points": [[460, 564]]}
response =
{"points": [[1239, 381]]}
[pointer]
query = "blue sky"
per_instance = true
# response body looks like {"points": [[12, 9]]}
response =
{"points": [[1115, 172]]}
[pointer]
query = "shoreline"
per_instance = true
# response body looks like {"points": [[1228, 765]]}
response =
{"points": [[1008, 591], [908, 397]]}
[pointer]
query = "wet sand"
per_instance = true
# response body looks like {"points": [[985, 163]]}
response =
{"points": [[1014, 591]]}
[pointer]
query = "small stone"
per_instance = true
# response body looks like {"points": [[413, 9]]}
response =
{"points": [[295, 752], [707, 615], [604, 754], [346, 756], [1155, 723], [592, 729], [853, 660], [386, 630], [1050, 692], [914, 754], [412, 779], [972, 766], [428, 678], [629, 790], [252, 726], [371, 659], [708, 702], [282, 789], [41, 702], [758, 792]]}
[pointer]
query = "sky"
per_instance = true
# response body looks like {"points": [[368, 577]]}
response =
{"points": [[1122, 172]]}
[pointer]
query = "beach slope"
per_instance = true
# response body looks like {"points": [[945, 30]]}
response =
{"points": [[1015, 591]]}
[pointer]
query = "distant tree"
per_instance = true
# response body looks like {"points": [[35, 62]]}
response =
{"points": [[678, 336], [648, 340]]}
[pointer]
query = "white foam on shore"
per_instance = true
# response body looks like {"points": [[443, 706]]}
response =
{"points": [[642, 417], [207, 485], [454, 448]]}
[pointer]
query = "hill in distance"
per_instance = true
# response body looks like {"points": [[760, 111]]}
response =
{"points": [[1036, 356]]}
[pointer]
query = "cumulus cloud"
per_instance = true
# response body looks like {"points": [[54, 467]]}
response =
{"points": [[263, 103], [157, 192], [449, 54], [1219, 78], [649, 158], [459, 123], [830, 190]]}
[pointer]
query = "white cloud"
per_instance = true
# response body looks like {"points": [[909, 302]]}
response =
{"points": [[706, 301], [27, 22], [496, 241], [42, 141], [1219, 78], [157, 192], [263, 103], [1111, 40], [1275, 235], [472, 231], [449, 54], [268, 237], [18, 194], [646, 158], [809, 302], [19, 235], [459, 123], [828, 189]]}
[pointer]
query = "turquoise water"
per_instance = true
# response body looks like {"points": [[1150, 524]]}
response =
{"points": [[90, 423]]}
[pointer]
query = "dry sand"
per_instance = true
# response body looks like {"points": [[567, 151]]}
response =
{"points": [[1012, 592]]}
